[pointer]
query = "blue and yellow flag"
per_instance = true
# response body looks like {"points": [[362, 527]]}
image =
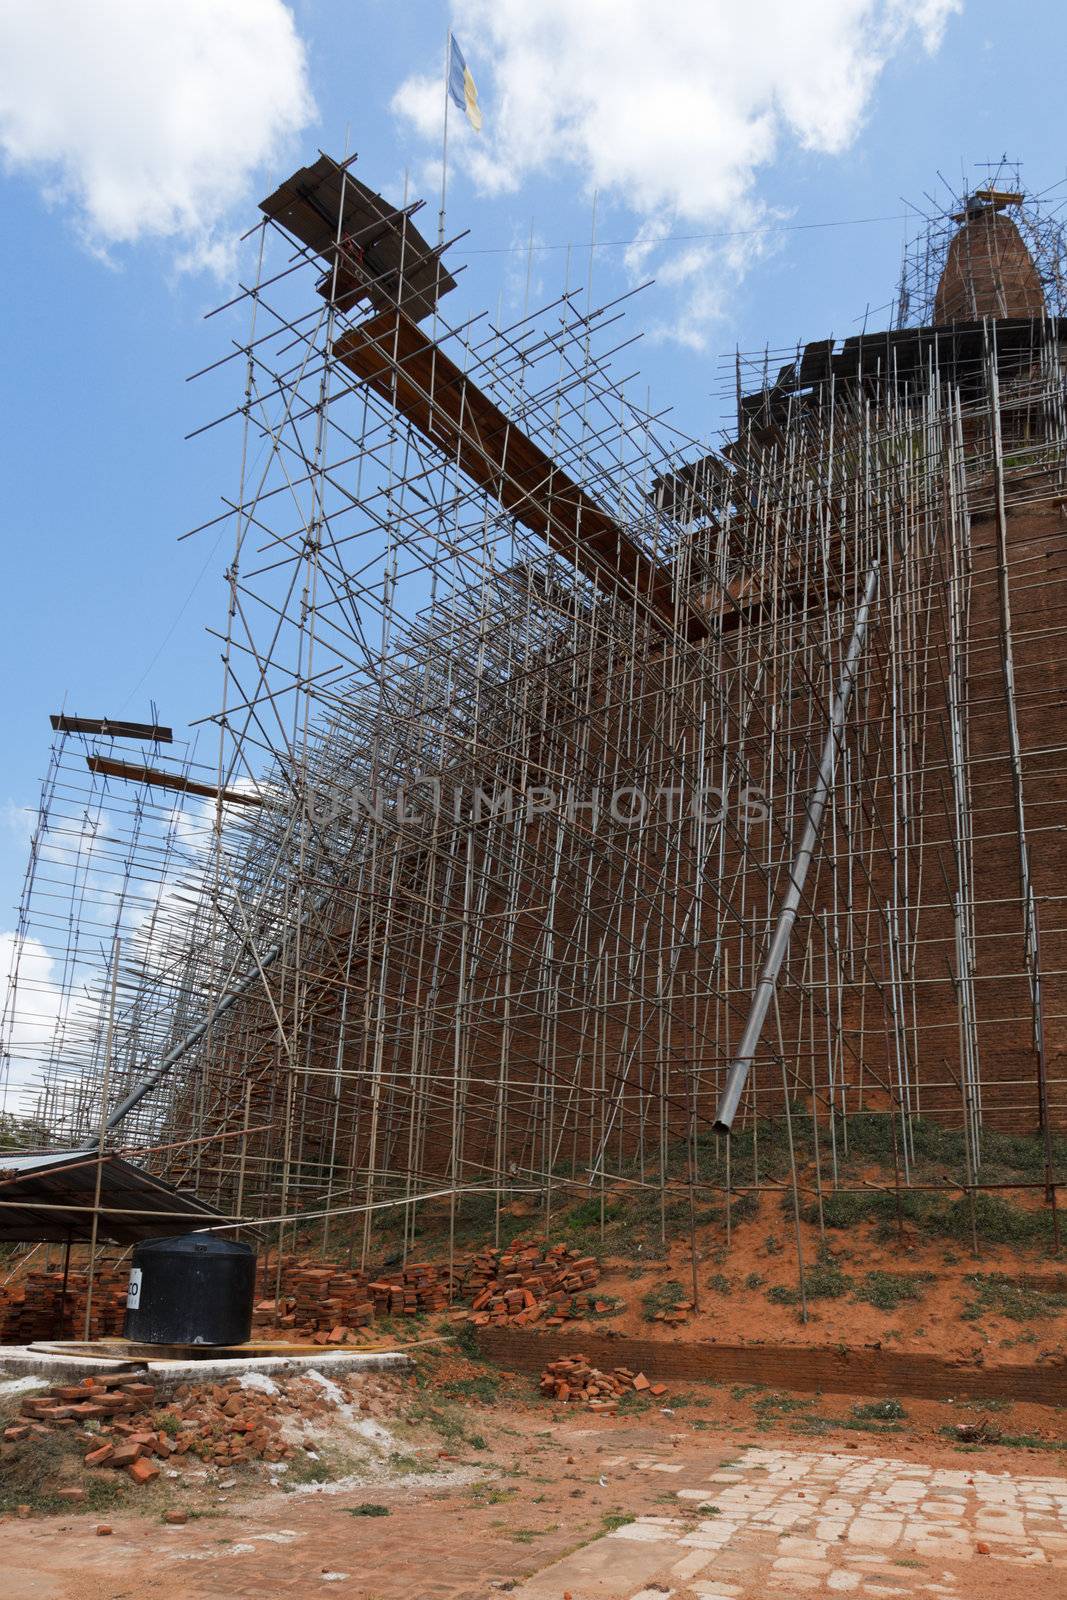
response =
{"points": [[461, 85]]}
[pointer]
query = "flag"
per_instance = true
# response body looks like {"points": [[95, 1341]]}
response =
{"points": [[461, 85]]}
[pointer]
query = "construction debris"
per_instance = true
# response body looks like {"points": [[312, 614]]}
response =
{"points": [[127, 1424], [518, 1285], [572, 1380]]}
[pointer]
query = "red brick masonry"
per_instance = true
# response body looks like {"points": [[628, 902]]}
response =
{"points": [[798, 1367]]}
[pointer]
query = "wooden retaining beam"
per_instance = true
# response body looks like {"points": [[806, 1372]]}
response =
{"points": [[393, 356], [158, 778]]}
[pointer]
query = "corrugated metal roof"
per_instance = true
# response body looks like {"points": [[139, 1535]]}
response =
{"points": [[49, 1196]]}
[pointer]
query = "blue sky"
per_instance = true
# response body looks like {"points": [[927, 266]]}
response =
{"points": [[119, 229]]}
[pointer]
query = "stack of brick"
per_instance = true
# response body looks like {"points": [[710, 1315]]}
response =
{"points": [[324, 1296], [316, 1295], [419, 1287], [573, 1381], [518, 1286], [32, 1309], [34, 1306]]}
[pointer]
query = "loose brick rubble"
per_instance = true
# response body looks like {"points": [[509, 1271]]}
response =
{"points": [[217, 1422], [574, 1382], [126, 1426]]}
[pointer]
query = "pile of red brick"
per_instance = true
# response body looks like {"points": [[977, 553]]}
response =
{"points": [[121, 1434], [518, 1285], [118, 1418], [34, 1307], [226, 1423], [331, 1301], [319, 1295], [675, 1314], [574, 1382], [420, 1287]]}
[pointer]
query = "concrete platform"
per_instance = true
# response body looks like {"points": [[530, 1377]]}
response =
{"points": [[50, 1365]]}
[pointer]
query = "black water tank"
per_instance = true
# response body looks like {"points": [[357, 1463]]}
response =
{"points": [[194, 1289]]}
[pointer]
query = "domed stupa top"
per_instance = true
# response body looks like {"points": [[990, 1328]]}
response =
{"points": [[988, 271]]}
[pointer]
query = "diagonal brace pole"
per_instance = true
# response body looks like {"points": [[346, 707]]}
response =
{"points": [[741, 1065]]}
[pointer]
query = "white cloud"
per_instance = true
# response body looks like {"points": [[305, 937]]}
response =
{"points": [[149, 120], [30, 1005], [18, 820], [671, 111]]}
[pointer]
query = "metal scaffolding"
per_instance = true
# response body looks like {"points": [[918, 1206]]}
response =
{"points": [[530, 707]]}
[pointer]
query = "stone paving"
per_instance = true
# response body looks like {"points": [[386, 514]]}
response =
{"points": [[796, 1522]]}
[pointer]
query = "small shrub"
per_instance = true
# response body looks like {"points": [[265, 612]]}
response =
{"points": [[754, 1281], [888, 1290], [664, 1297], [466, 1340], [745, 1208], [880, 1411], [823, 1281], [369, 1508], [719, 1283], [587, 1215]]}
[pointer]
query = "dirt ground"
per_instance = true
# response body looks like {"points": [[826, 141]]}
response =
{"points": [[462, 1483], [948, 1315]]}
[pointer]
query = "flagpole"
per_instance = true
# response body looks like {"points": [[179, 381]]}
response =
{"points": [[444, 145]]}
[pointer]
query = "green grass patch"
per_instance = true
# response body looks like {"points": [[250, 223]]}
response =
{"points": [[995, 1295], [1013, 1441], [368, 1508], [889, 1290], [664, 1297], [586, 1214], [997, 1221], [823, 1281], [491, 1494], [38, 1467], [770, 1408], [484, 1388], [466, 1340]]}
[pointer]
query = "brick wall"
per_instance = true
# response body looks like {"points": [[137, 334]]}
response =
{"points": [[801, 1368]]}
